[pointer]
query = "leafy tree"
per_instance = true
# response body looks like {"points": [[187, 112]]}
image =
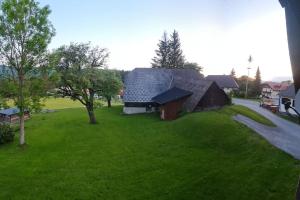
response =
{"points": [[257, 82], [162, 53], [25, 33], [123, 74], [193, 65], [79, 74], [110, 86], [176, 58]]}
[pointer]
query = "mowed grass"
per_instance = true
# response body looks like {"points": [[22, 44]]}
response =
{"points": [[60, 103], [202, 155], [63, 103], [242, 110]]}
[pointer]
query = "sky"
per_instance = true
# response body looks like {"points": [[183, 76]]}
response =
{"points": [[217, 34]]}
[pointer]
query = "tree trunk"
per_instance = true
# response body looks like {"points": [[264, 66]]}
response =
{"points": [[22, 129], [21, 108], [91, 113], [108, 102]]}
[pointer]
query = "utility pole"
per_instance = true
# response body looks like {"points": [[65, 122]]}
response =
{"points": [[247, 82]]}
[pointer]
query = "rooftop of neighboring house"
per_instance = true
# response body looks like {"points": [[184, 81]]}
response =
{"points": [[289, 92], [276, 86], [142, 84], [223, 81], [9, 111]]}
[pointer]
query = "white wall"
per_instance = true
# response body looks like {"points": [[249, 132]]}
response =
{"points": [[137, 110], [228, 90], [297, 101]]}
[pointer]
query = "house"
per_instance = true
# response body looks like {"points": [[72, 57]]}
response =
{"points": [[225, 82], [285, 96], [10, 115], [170, 91], [272, 89]]}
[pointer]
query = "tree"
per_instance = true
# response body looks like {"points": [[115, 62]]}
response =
{"points": [[193, 65], [162, 53], [25, 33], [233, 74], [257, 82], [110, 86], [79, 75], [176, 58]]}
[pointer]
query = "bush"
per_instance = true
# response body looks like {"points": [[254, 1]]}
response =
{"points": [[6, 134]]}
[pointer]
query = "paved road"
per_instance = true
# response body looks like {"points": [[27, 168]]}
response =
{"points": [[286, 136]]}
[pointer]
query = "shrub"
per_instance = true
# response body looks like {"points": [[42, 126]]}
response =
{"points": [[6, 134]]}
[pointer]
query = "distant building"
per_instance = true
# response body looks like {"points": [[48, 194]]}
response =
{"points": [[271, 90], [11, 115], [225, 82], [170, 91], [285, 96]]}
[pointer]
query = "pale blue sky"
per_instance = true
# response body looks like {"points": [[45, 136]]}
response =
{"points": [[218, 34]]}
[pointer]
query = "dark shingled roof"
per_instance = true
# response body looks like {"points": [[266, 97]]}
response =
{"points": [[223, 81], [142, 84], [289, 92], [170, 95]]}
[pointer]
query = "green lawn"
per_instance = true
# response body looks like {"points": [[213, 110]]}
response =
{"points": [[60, 103], [63, 103], [237, 109], [203, 155]]}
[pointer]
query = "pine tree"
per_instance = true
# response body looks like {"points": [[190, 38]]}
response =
{"points": [[257, 82], [162, 53], [176, 58], [232, 73]]}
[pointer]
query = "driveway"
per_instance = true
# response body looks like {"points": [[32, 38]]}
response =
{"points": [[286, 136]]}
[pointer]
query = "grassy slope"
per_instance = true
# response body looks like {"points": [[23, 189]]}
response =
{"points": [[237, 109], [199, 156]]}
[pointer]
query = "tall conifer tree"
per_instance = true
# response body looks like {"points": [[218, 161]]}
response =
{"points": [[176, 58], [162, 53]]}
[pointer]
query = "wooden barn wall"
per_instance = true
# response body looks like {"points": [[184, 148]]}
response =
{"points": [[214, 97], [172, 109]]}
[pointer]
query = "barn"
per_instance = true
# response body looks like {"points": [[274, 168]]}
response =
{"points": [[170, 91], [225, 82]]}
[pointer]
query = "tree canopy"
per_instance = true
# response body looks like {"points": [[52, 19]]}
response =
{"points": [[79, 76], [110, 86], [25, 33], [170, 55]]}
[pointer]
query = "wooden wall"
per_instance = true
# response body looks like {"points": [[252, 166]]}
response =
{"points": [[170, 111], [213, 98]]}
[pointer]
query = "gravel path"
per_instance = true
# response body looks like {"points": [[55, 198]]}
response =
{"points": [[286, 136]]}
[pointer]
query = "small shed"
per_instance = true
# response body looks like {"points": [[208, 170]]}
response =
{"points": [[171, 102], [11, 115]]}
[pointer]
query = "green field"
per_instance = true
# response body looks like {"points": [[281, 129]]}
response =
{"points": [[202, 155], [63, 103]]}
